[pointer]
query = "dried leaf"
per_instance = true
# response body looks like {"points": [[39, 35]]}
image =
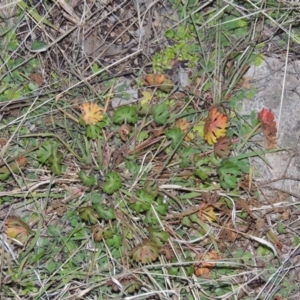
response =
{"points": [[91, 112], [59, 207], [202, 272], [204, 268], [97, 231], [222, 147], [3, 141], [17, 229], [268, 125], [246, 82], [206, 212], [215, 126], [124, 132], [167, 252], [146, 253], [228, 233], [36, 78], [159, 80]]}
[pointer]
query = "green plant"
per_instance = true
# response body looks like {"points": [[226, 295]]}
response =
{"points": [[112, 182]]}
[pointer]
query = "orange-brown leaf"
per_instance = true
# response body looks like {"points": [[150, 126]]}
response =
{"points": [[154, 79], [91, 113], [161, 81], [215, 126], [204, 268]]}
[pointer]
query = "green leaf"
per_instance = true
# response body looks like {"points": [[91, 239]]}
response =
{"points": [[160, 206], [250, 93], [105, 213], [125, 113], [230, 172], [49, 155], [55, 161], [51, 267], [160, 113], [143, 135], [202, 173], [39, 45], [174, 134], [160, 237], [185, 157], [115, 242], [12, 45], [44, 152], [142, 202], [92, 131], [281, 227], [112, 183], [87, 180], [258, 60]]}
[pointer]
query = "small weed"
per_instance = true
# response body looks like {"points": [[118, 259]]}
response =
{"points": [[149, 199]]}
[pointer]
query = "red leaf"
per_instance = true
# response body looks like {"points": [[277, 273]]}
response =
{"points": [[268, 125], [266, 116]]}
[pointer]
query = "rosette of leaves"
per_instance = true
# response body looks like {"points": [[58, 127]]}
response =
{"points": [[142, 201], [125, 114], [146, 252], [112, 183]]}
